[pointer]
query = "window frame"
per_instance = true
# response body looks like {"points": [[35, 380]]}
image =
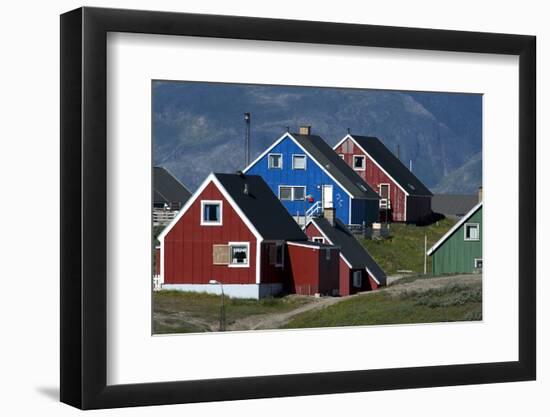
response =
{"points": [[211, 223], [318, 239], [364, 167], [342, 156], [292, 187], [234, 244], [269, 166], [299, 155], [475, 263], [467, 239]]}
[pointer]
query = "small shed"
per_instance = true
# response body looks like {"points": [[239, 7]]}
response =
{"points": [[358, 271], [460, 250], [313, 268]]}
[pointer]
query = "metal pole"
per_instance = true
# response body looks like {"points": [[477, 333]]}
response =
{"points": [[425, 249], [247, 140], [222, 317]]}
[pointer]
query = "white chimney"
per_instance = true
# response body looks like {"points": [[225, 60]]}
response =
{"points": [[305, 130]]}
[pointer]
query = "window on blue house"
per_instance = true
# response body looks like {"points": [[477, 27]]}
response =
{"points": [[275, 161], [298, 162], [290, 193]]}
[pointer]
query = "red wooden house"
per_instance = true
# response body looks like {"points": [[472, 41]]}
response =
{"points": [[235, 231], [403, 197], [357, 270]]}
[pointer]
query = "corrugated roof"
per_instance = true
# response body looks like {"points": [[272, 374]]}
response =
{"points": [[453, 204], [261, 207], [350, 247], [392, 165], [335, 166], [167, 189]]}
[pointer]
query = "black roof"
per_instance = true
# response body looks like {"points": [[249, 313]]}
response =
{"points": [[342, 172], [167, 189], [392, 165], [261, 207], [350, 247], [453, 204]]}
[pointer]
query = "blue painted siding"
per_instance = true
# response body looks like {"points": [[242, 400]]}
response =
{"points": [[364, 211], [313, 177]]}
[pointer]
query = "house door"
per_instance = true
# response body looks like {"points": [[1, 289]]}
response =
{"points": [[327, 196], [385, 191]]}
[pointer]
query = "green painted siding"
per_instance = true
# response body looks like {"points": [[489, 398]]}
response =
{"points": [[457, 254]]}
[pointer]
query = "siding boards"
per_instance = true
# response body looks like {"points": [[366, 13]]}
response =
{"points": [[311, 177], [374, 176], [188, 246], [456, 255]]}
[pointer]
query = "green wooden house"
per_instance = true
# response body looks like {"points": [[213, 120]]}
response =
{"points": [[460, 250]]}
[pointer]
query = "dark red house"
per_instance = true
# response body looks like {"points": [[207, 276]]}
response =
{"points": [[403, 197], [235, 231], [357, 270]]}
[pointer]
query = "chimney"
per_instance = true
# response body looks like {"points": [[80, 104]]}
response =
{"points": [[305, 130], [480, 194], [329, 214]]}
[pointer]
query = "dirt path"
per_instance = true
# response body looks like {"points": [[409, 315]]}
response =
{"points": [[275, 321]]}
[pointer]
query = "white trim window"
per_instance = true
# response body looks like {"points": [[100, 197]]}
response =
{"points": [[292, 193], [471, 231], [211, 212], [342, 156], [318, 239], [275, 161], [359, 162], [478, 263], [239, 254], [299, 162]]}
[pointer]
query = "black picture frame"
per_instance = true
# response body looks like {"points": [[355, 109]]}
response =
{"points": [[84, 207]]}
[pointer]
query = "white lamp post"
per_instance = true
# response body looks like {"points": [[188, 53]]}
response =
{"points": [[222, 309]]}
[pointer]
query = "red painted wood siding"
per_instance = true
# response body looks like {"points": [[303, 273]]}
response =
{"points": [[311, 272], [188, 246], [271, 273], [344, 272], [312, 231], [374, 176]]}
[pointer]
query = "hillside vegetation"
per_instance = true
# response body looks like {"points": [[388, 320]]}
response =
{"points": [[404, 249], [454, 302]]}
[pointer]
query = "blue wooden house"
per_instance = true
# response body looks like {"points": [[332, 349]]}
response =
{"points": [[308, 177]]}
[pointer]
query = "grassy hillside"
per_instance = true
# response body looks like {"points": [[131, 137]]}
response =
{"points": [[454, 302], [404, 250]]}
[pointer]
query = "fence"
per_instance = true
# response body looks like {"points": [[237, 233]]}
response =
{"points": [[161, 217]]}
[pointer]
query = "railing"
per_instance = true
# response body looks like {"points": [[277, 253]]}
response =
{"points": [[385, 203], [314, 210], [162, 217]]}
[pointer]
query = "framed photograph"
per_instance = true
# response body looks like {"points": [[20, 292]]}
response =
{"points": [[257, 208]]}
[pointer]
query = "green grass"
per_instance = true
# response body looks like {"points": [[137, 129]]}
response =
{"points": [[451, 303], [404, 249], [184, 312]]}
